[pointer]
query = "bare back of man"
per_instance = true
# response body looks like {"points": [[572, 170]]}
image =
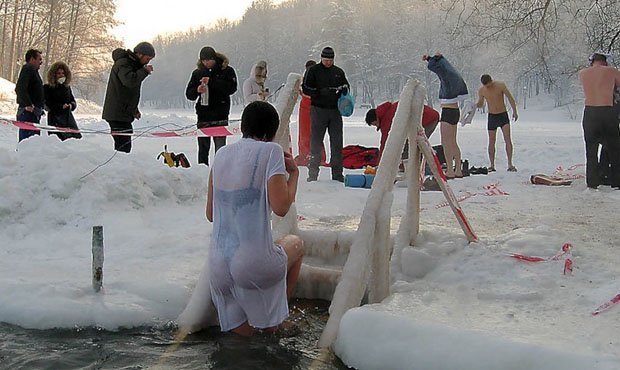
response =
{"points": [[494, 93], [598, 83], [600, 120]]}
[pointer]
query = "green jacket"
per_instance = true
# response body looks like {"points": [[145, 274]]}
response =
{"points": [[123, 92]]}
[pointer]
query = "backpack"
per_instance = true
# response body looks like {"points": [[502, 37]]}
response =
{"points": [[174, 160], [346, 103], [357, 156]]}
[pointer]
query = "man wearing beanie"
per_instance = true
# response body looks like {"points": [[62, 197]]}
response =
{"points": [[324, 83], [122, 95], [218, 80]]}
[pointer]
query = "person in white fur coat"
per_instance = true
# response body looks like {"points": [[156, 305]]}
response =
{"points": [[254, 86]]}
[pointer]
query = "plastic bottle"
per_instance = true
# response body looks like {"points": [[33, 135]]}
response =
{"points": [[204, 97]]}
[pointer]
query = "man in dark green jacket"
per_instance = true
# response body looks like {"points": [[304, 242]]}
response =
{"points": [[211, 85], [123, 93]]}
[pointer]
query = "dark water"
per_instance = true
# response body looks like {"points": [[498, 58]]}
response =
{"points": [[154, 348]]}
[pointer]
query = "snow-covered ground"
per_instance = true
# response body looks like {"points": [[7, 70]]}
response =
{"points": [[456, 306]]}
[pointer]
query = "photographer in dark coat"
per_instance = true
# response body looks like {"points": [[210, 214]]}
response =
{"points": [[211, 85], [324, 82], [59, 100], [123, 93]]}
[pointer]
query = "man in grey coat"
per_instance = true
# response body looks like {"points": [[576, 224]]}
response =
{"points": [[123, 92]]}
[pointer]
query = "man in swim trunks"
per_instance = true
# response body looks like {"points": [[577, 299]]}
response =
{"points": [[600, 120], [494, 92]]}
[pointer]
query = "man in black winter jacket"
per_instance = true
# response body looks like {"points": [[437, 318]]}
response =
{"points": [[324, 82], [29, 91], [215, 81], [123, 92]]}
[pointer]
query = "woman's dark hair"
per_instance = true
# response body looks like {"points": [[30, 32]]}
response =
{"points": [[260, 121], [51, 74]]}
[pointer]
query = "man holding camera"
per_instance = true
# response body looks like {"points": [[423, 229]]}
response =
{"points": [[122, 95], [324, 83]]}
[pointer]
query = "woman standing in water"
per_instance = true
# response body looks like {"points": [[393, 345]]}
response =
{"points": [[252, 277]]}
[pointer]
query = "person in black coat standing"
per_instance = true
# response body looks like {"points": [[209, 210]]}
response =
{"points": [[211, 85], [29, 91], [123, 92], [59, 100], [324, 83]]}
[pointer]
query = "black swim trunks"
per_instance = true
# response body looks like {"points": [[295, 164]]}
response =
{"points": [[497, 120], [450, 115]]}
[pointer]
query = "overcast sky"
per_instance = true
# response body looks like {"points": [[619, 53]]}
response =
{"points": [[143, 20]]}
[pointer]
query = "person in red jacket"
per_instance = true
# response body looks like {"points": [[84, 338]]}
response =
{"points": [[382, 117]]}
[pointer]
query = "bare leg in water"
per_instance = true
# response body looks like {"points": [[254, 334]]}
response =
{"points": [[294, 248]]}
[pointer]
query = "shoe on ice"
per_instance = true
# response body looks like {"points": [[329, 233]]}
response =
{"points": [[512, 169], [339, 178]]}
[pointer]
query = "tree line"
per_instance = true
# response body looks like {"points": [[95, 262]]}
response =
{"points": [[534, 45], [74, 31]]}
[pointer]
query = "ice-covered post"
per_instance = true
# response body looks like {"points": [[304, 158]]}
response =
{"points": [[285, 105], [97, 257], [415, 159]]}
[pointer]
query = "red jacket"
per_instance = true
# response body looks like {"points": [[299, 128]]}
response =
{"points": [[385, 115]]}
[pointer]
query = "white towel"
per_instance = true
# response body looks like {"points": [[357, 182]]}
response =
{"points": [[467, 112]]}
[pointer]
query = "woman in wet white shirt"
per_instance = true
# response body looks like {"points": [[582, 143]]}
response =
{"points": [[252, 277]]}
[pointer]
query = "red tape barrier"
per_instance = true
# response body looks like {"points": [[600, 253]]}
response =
{"points": [[607, 305], [191, 131], [564, 253], [491, 190]]}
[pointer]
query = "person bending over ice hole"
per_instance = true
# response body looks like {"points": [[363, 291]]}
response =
{"points": [[382, 117], [252, 277], [493, 92]]}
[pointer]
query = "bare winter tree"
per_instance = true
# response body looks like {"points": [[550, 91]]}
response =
{"points": [[74, 31]]}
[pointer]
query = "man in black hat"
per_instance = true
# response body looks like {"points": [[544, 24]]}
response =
{"points": [[324, 83], [211, 85], [122, 95]]}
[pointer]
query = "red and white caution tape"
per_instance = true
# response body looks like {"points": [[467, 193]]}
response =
{"points": [[564, 253], [490, 190], [189, 131], [607, 305], [568, 173]]}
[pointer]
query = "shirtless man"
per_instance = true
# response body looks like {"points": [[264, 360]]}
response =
{"points": [[493, 92], [600, 122]]}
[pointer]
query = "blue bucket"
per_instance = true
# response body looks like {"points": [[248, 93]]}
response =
{"points": [[359, 181]]}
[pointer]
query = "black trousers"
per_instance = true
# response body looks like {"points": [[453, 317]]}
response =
{"points": [[324, 120], [600, 127], [122, 143], [204, 144]]}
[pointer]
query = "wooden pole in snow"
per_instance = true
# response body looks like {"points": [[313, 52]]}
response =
{"points": [[97, 257]]}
